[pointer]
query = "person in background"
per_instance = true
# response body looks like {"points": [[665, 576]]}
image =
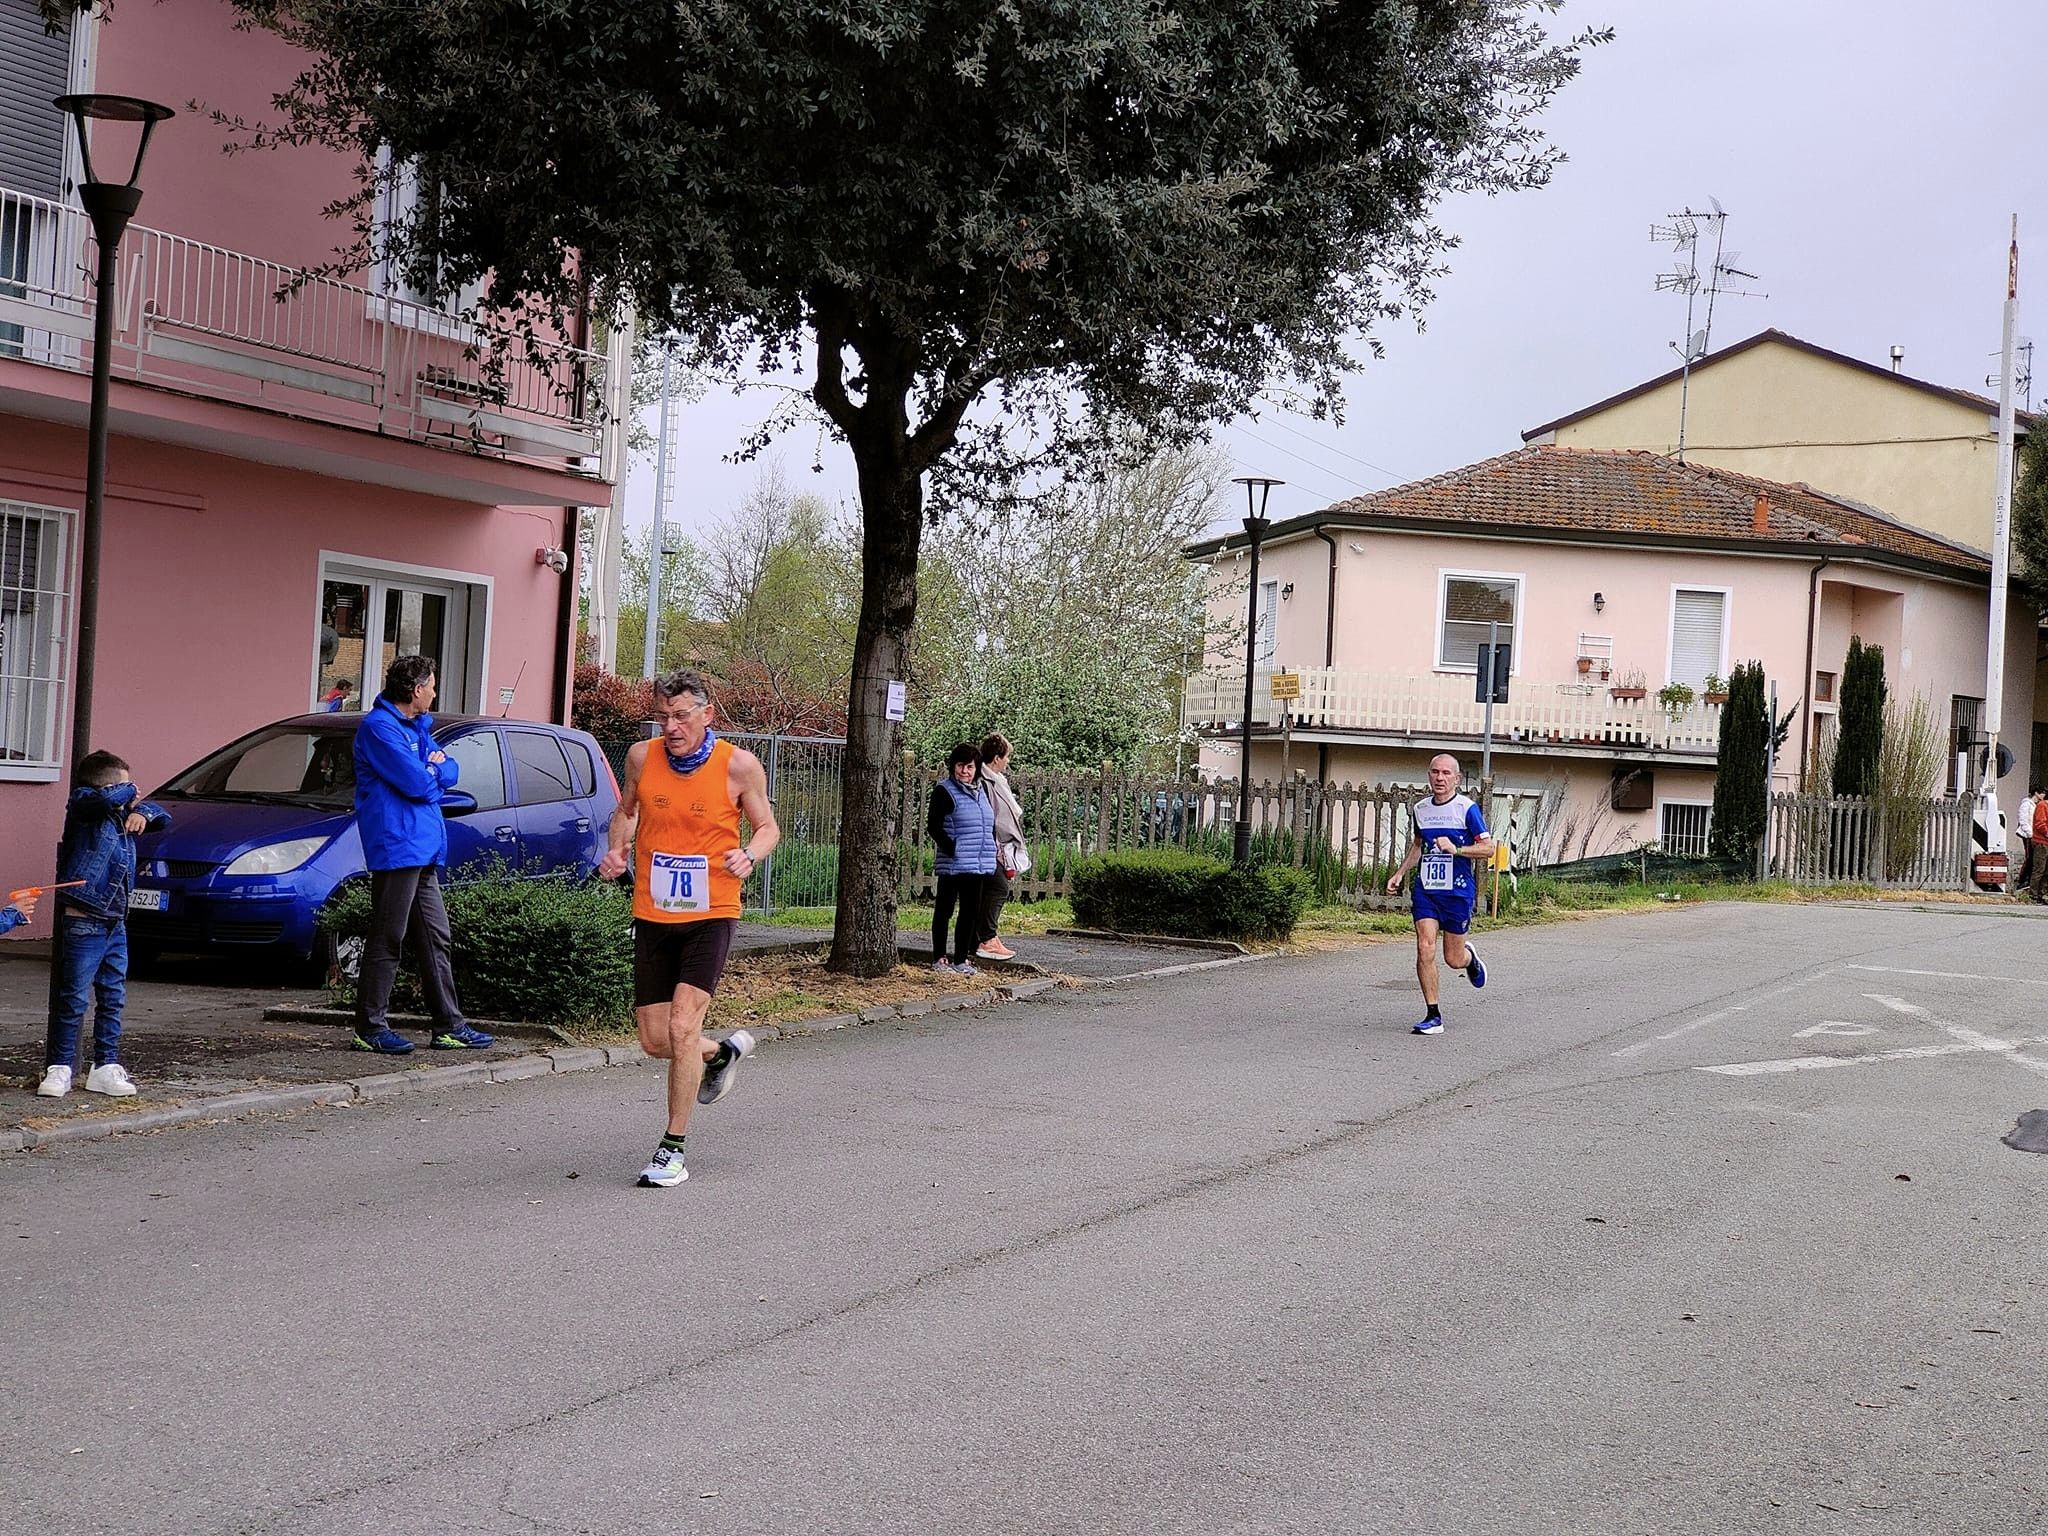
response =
{"points": [[96, 859], [332, 700], [2023, 828], [995, 770], [962, 822]]}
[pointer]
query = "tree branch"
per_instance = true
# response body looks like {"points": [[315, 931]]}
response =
{"points": [[831, 319]]}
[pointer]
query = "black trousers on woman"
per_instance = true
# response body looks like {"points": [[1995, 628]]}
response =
{"points": [[967, 892]]}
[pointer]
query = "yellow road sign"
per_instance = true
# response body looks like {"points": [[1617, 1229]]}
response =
{"points": [[1286, 685]]}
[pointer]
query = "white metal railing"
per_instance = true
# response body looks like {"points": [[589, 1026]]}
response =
{"points": [[1440, 705], [211, 321]]}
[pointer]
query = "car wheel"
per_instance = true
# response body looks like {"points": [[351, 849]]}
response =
{"points": [[336, 958]]}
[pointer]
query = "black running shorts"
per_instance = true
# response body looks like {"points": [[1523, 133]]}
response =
{"points": [[671, 955]]}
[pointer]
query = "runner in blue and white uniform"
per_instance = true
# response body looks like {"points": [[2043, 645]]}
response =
{"points": [[1449, 843]]}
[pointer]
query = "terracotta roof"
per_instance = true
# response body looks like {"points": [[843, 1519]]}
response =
{"points": [[1967, 397], [1624, 496]]}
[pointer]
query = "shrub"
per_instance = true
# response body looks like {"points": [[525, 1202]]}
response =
{"points": [[543, 951], [1166, 891], [609, 706]]}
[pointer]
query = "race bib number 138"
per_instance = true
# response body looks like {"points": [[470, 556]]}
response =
{"points": [[1438, 873], [680, 882]]}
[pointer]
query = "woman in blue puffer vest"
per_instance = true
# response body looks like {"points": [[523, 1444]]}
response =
{"points": [[962, 822]]}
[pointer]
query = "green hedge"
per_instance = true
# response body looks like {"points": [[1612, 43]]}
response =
{"points": [[1167, 891], [546, 951]]}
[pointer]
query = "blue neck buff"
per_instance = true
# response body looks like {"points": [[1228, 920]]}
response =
{"points": [[694, 760]]}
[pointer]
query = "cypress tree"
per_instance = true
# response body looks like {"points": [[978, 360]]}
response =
{"points": [[1741, 794], [1861, 728]]}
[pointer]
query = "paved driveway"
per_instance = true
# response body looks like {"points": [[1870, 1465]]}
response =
{"points": [[1228, 1252]]}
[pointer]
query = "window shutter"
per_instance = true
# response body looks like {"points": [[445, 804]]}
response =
{"points": [[1697, 619], [34, 68], [1269, 618], [1471, 603]]}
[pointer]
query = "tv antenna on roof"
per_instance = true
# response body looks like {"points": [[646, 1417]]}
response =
{"points": [[2022, 373], [1684, 231]]}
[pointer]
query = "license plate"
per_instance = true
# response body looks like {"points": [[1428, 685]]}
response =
{"points": [[148, 901]]}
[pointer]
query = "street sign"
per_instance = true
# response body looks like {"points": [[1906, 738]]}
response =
{"points": [[1493, 666], [1286, 685]]}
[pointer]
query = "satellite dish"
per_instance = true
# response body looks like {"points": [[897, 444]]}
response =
{"points": [[1697, 347]]}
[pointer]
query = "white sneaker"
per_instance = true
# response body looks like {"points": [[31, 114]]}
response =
{"points": [[943, 967], [55, 1084], [112, 1080]]}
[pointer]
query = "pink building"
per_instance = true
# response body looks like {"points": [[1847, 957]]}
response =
{"points": [[1615, 577], [303, 481]]}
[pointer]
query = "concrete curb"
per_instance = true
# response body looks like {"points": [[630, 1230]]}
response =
{"points": [[1149, 940], [586, 1058], [294, 1013]]}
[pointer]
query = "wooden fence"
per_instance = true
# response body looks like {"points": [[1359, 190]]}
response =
{"points": [[1853, 840], [1348, 837]]}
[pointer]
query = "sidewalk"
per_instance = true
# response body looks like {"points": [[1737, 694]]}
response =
{"points": [[196, 1037]]}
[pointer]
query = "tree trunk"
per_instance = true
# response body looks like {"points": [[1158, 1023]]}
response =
{"points": [[892, 521]]}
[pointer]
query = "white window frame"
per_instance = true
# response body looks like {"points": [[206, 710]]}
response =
{"points": [[1268, 645], [55, 657], [1682, 803], [1444, 577], [474, 638], [1671, 625], [392, 299]]}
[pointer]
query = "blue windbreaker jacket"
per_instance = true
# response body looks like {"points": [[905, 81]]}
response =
{"points": [[398, 792]]}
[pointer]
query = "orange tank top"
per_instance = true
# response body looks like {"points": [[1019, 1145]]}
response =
{"points": [[688, 823]]}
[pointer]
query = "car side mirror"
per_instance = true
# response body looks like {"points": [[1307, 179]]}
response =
{"points": [[457, 802]]}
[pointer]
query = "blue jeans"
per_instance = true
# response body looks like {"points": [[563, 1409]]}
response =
{"points": [[92, 956]]}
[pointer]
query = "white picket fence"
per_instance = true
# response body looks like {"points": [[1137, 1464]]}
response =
{"points": [[1849, 840]]}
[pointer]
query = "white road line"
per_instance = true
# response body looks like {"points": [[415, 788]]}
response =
{"points": [[1903, 1053], [1893, 970], [1963, 1033], [1726, 1013]]}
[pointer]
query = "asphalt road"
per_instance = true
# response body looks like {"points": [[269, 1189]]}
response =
{"points": [[1230, 1252]]}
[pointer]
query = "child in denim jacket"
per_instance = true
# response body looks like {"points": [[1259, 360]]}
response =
{"points": [[98, 851]]}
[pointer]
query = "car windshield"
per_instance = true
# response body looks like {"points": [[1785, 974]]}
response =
{"points": [[287, 764]]}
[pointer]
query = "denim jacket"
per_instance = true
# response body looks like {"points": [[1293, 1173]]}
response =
{"points": [[97, 851], [10, 917]]}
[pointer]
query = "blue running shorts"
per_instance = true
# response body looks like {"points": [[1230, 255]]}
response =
{"points": [[1450, 910]]}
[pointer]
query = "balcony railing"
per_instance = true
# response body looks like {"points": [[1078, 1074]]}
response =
{"points": [[1440, 706], [214, 322]]}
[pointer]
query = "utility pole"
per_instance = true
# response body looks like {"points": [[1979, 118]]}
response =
{"points": [[657, 536], [2001, 539]]}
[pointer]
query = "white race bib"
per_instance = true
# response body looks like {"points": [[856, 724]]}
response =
{"points": [[1439, 872], [679, 882]]}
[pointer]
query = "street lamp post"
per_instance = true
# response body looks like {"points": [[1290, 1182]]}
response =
{"points": [[110, 205], [1256, 490]]}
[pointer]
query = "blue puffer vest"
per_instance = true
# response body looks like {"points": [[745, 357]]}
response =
{"points": [[972, 826]]}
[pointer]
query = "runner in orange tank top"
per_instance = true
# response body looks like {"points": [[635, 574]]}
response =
{"points": [[682, 807]]}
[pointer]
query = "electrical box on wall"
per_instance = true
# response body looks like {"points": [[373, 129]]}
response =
{"points": [[1633, 789]]}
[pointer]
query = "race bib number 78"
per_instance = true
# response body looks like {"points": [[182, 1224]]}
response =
{"points": [[679, 882]]}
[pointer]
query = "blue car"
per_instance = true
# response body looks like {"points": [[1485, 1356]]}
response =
{"points": [[263, 832]]}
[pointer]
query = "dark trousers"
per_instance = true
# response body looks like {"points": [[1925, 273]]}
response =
{"points": [[993, 900], [406, 901], [91, 961], [2023, 866], [965, 891]]}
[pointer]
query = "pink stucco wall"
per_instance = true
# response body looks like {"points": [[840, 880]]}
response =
{"points": [[210, 592]]}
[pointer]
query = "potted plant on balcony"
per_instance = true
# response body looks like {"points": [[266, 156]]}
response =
{"points": [[1675, 698], [1633, 685], [1715, 690]]}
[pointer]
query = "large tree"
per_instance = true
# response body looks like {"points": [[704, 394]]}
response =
{"points": [[981, 229]]}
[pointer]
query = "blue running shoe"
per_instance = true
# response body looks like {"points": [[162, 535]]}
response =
{"points": [[1433, 1025], [385, 1042], [461, 1038], [1475, 968]]}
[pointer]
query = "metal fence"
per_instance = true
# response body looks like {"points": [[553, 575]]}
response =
{"points": [[1858, 840]]}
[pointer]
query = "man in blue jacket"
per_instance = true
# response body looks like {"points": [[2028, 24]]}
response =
{"points": [[400, 774]]}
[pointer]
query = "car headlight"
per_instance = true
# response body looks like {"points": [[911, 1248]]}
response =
{"points": [[276, 858]]}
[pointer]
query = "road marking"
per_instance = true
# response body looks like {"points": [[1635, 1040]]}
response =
{"points": [[1963, 1033], [1903, 1053], [1725, 1013], [1835, 1027], [1894, 970]]}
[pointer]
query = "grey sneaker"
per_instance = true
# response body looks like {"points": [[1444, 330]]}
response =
{"points": [[665, 1170], [718, 1080], [943, 967]]}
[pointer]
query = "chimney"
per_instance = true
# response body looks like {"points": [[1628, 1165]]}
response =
{"points": [[1898, 357], [1760, 515]]}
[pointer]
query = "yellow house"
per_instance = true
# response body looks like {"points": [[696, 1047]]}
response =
{"points": [[1785, 410]]}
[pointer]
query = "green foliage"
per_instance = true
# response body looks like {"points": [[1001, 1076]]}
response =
{"points": [[1859, 739], [1741, 789], [1909, 772], [1167, 891], [542, 951], [2030, 519]]}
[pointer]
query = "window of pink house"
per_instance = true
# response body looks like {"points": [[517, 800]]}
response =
{"points": [[34, 616]]}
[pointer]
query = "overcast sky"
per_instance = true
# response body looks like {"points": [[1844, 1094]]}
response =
{"points": [[1870, 154]]}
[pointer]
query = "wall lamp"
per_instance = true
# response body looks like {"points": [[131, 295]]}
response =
{"points": [[1287, 591], [1599, 602]]}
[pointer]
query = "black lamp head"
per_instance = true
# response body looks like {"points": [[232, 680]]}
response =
{"points": [[113, 109]]}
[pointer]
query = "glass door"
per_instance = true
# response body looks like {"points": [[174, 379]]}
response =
{"points": [[367, 620]]}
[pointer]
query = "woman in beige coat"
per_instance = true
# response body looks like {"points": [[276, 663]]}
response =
{"points": [[1011, 858]]}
